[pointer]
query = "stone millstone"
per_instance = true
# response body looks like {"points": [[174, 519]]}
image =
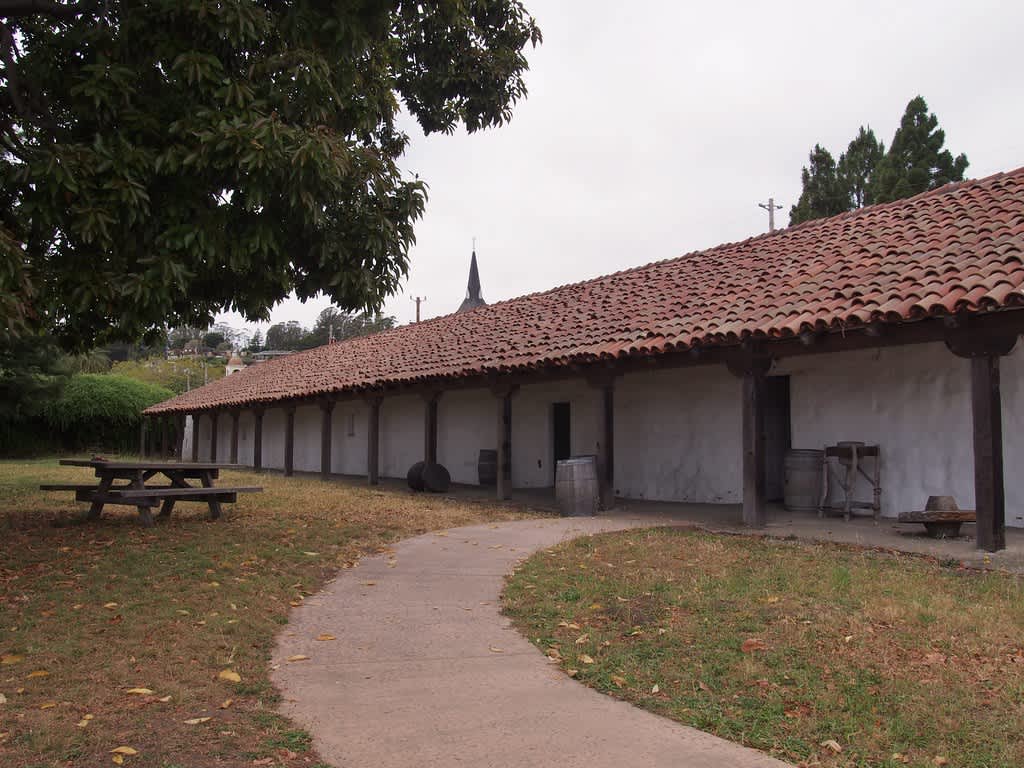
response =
{"points": [[436, 478], [415, 476]]}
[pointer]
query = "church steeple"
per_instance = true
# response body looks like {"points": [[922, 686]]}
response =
{"points": [[473, 298]]}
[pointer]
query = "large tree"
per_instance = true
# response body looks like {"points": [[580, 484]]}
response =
{"points": [[823, 192], [916, 160], [856, 167], [165, 160]]}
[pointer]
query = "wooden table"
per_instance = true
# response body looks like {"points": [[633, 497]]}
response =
{"points": [[125, 483]]}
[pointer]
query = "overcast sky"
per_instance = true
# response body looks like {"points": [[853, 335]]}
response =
{"points": [[652, 129]]}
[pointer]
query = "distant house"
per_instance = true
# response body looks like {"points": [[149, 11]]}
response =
{"points": [[891, 325], [234, 364]]}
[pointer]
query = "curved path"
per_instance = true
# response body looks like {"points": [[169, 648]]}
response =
{"points": [[426, 672]]}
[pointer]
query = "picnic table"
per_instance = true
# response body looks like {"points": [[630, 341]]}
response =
{"points": [[128, 483]]}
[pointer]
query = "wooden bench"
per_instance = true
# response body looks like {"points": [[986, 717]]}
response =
{"points": [[943, 524]]}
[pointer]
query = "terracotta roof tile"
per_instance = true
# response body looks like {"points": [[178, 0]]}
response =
{"points": [[959, 248]]}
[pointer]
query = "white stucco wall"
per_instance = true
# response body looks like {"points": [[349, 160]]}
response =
{"points": [[348, 451], [532, 438], [467, 421], [246, 429], [306, 457], [678, 435], [273, 438], [915, 402], [401, 434], [186, 440]]}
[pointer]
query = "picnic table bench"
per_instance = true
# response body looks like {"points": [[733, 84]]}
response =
{"points": [[125, 483]]}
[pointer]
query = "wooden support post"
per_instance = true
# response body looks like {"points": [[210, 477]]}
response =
{"points": [[984, 348], [179, 438], [753, 449], [234, 436], [257, 440], [213, 435], [143, 424], [606, 448], [326, 419], [373, 441], [989, 497], [165, 428], [504, 431], [752, 367], [195, 436], [289, 440], [430, 427]]}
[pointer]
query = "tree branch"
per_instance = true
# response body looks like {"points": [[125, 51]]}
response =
{"points": [[11, 9]]}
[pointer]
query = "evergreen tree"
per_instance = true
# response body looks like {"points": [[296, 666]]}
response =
{"points": [[823, 192], [916, 161], [857, 166], [256, 342]]}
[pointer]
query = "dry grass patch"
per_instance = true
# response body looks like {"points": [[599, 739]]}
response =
{"points": [[113, 635], [816, 654]]}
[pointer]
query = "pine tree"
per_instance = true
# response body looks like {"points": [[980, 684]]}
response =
{"points": [[857, 165], [916, 161], [823, 192]]}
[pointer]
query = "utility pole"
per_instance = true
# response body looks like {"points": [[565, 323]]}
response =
{"points": [[418, 300], [771, 207]]}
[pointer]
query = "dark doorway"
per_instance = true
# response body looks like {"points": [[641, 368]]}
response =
{"points": [[777, 435], [561, 428]]}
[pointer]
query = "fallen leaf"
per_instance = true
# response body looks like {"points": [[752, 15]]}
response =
{"points": [[196, 720], [572, 672], [369, 583], [230, 676], [140, 691], [298, 657], [3, 699], [772, 599], [655, 688], [848, 638], [164, 699], [10, 658], [618, 680], [118, 759], [582, 639], [703, 686], [585, 659], [752, 644], [226, 703], [38, 673], [324, 637], [832, 745], [48, 705], [494, 649], [939, 760], [110, 606], [124, 751]]}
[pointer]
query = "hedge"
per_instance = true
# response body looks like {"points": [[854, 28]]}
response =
{"points": [[101, 411]]}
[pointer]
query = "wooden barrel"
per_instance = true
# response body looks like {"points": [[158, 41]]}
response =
{"points": [[576, 488], [802, 489], [487, 467]]}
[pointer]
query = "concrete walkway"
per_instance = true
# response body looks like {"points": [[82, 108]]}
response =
{"points": [[424, 671]]}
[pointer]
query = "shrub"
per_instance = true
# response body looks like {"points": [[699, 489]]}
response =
{"points": [[102, 411]]}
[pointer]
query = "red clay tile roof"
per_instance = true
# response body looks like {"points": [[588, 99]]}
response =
{"points": [[958, 248]]}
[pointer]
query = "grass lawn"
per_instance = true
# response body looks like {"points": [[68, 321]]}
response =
{"points": [[112, 635], [816, 654]]}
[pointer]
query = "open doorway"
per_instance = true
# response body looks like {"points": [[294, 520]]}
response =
{"points": [[561, 431], [777, 435]]}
